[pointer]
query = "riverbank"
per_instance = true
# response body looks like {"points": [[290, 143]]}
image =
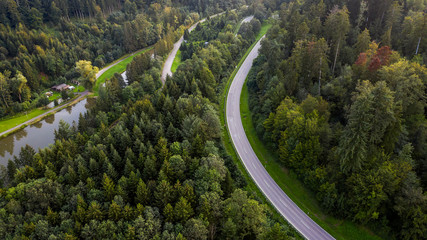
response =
{"points": [[41, 116]]}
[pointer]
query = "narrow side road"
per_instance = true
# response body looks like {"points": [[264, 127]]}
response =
{"points": [[167, 67], [284, 205], [245, 20]]}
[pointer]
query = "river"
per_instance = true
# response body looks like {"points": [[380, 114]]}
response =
{"points": [[40, 134]]}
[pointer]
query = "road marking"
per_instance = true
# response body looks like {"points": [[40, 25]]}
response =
{"points": [[303, 222], [286, 205], [268, 185], [253, 164]]}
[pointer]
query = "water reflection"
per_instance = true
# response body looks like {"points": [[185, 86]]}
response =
{"points": [[41, 134], [37, 125], [50, 119]]}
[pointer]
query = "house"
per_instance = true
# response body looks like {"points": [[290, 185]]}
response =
{"points": [[71, 88], [60, 87], [49, 94]]}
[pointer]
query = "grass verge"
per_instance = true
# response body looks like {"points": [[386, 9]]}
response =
{"points": [[20, 118], [118, 68], [176, 61]]}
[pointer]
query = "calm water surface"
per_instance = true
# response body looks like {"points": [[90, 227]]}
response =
{"points": [[40, 134]]}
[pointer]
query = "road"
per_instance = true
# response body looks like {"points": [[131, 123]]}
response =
{"points": [[167, 67], [82, 95], [245, 20], [284, 205]]}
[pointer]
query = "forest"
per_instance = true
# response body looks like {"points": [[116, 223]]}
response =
{"points": [[146, 162], [40, 41], [339, 93]]}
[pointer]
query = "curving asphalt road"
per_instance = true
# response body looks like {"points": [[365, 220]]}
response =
{"points": [[245, 20], [284, 205], [167, 67]]}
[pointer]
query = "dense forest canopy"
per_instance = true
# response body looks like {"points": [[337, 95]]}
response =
{"points": [[339, 92]]}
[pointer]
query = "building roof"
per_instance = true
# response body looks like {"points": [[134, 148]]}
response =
{"points": [[60, 87]]}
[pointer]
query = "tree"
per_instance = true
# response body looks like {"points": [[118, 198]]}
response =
{"points": [[35, 18], [276, 232], [211, 208], [406, 80], [183, 210], [168, 213], [371, 115], [337, 25], [109, 187], [87, 73], [64, 131], [19, 85], [26, 156], [363, 42], [195, 229], [247, 214], [114, 211], [4, 88], [94, 211], [141, 193], [163, 193]]}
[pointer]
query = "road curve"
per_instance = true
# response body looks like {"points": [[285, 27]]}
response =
{"points": [[167, 67], [245, 20], [284, 205]]}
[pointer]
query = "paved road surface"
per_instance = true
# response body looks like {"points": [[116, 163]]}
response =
{"points": [[284, 205], [245, 20], [167, 67], [82, 95]]}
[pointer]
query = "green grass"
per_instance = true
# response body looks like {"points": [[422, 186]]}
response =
{"points": [[55, 95], [20, 118], [118, 68], [79, 88], [288, 181], [176, 61]]}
